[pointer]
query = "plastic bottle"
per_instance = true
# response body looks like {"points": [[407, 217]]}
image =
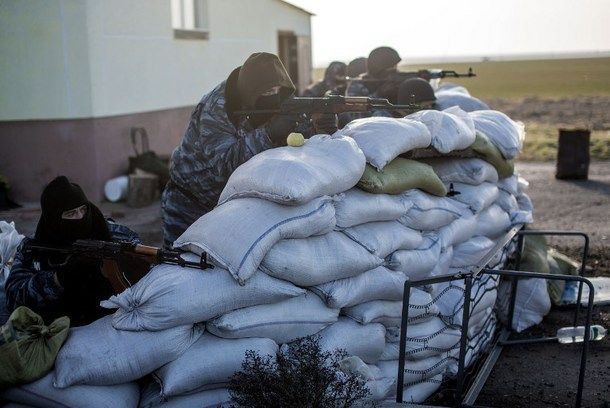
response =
{"points": [[577, 334]]}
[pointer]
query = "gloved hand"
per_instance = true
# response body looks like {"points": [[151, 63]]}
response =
{"points": [[279, 127], [324, 122], [76, 273]]}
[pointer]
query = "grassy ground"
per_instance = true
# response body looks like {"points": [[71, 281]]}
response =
{"points": [[541, 143]]}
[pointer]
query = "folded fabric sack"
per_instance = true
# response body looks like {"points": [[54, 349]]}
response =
{"points": [[365, 341], [377, 284], [359, 207], [324, 165], [383, 139], [401, 175], [316, 260], [282, 322], [451, 129], [170, 296], [477, 198], [28, 347], [384, 237], [209, 363], [487, 151], [216, 398], [467, 103], [97, 354], [506, 134], [417, 263], [429, 213], [238, 234], [389, 312], [42, 393], [470, 171]]}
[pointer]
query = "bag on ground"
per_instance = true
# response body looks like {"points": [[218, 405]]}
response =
{"points": [[282, 322], [209, 363], [170, 296], [401, 175], [316, 260], [384, 237], [531, 305], [97, 354], [377, 284], [238, 234], [451, 129], [28, 347], [325, 165], [42, 393], [359, 207], [383, 139]]}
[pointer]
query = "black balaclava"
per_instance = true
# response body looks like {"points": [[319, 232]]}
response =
{"points": [[334, 72], [416, 90], [356, 67], [382, 60], [261, 72], [61, 195]]}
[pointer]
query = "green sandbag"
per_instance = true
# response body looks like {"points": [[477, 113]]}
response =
{"points": [[487, 151], [401, 175], [28, 348], [567, 265], [534, 257], [555, 287]]}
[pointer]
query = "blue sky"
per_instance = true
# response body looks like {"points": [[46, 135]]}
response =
{"points": [[454, 29]]}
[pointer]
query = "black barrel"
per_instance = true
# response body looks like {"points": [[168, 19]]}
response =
{"points": [[573, 154]]}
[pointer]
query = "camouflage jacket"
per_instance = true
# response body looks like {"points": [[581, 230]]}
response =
{"points": [[32, 283], [211, 149]]}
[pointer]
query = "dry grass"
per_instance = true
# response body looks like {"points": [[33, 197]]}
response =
{"points": [[541, 143]]}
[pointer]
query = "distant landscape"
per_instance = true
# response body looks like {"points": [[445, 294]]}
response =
{"points": [[546, 95]]}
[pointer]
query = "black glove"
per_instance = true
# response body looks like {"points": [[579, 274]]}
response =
{"points": [[324, 122], [76, 274], [279, 127]]}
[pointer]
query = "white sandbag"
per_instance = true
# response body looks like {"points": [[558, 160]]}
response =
{"points": [[429, 213], [41, 393], [324, 165], [425, 339], [467, 103], [469, 253], [377, 284], [444, 262], [378, 385], [458, 231], [521, 217], [476, 197], [170, 296], [389, 312], [365, 341], [531, 305], [507, 201], [421, 391], [451, 87], [384, 237], [493, 222], [525, 202], [98, 354], [209, 363], [470, 171], [383, 139], [415, 370], [359, 207], [451, 129], [9, 241], [215, 398], [417, 263], [522, 185], [506, 134], [316, 260], [510, 184], [282, 322], [238, 234]]}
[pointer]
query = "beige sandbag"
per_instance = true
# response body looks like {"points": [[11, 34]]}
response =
{"points": [[401, 175], [487, 151]]}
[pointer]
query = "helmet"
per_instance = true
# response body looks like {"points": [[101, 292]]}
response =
{"points": [[380, 59], [415, 90]]}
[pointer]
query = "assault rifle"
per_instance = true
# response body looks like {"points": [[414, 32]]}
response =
{"points": [[135, 259], [426, 74], [332, 104]]}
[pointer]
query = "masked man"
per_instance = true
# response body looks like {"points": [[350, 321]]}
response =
{"points": [[333, 83], [218, 140], [56, 285]]}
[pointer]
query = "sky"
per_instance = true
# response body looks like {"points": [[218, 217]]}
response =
{"points": [[452, 30]]}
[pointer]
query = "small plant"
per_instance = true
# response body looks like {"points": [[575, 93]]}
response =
{"points": [[299, 376]]}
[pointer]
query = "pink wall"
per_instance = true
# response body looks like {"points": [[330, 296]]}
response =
{"points": [[89, 151]]}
